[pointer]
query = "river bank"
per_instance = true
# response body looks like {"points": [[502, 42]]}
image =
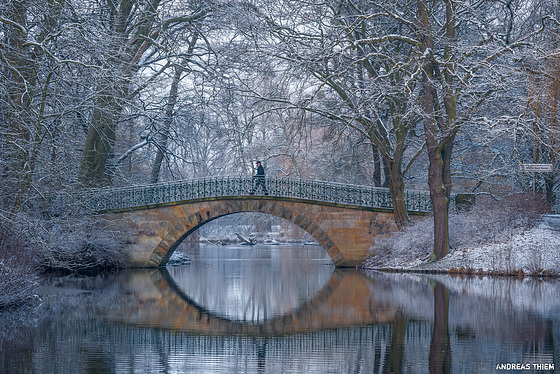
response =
{"points": [[509, 236], [532, 251]]}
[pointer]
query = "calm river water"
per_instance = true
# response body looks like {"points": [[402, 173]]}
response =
{"points": [[284, 309]]}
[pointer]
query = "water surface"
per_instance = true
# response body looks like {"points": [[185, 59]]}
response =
{"points": [[283, 309]]}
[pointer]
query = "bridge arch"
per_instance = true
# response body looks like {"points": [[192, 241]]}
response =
{"points": [[188, 224], [345, 233]]}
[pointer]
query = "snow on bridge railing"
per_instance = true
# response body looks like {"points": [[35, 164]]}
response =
{"points": [[122, 198]]}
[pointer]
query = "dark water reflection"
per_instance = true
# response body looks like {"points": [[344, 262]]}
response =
{"points": [[284, 309]]}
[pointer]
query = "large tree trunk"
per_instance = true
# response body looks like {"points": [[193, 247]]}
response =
{"points": [[400, 213], [438, 196], [436, 183], [435, 147], [394, 181], [129, 39], [111, 92], [100, 140]]}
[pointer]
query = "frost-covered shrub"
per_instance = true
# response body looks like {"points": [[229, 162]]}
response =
{"points": [[492, 221], [412, 242], [489, 221], [80, 244], [18, 278]]}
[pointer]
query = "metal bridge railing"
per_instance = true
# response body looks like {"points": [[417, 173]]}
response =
{"points": [[114, 199]]}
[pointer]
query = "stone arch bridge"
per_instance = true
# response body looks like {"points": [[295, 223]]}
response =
{"points": [[343, 218]]}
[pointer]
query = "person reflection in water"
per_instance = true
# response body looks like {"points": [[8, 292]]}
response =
{"points": [[258, 180], [260, 344]]}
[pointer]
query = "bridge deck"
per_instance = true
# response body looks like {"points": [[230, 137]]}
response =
{"points": [[178, 192]]}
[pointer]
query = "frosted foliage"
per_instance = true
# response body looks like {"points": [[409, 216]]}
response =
{"points": [[18, 282], [412, 244], [494, 221], [18, 285], [66, 245], [496, 236]]}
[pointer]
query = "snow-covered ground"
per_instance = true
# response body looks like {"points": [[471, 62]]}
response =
{"points": [[533, 251]]}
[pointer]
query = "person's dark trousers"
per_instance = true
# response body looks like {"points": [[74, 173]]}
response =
{"points": [[259, 182]]}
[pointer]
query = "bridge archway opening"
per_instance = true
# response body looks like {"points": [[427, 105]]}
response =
{"points": [[259, 225], [253, 283], [262, 226]]}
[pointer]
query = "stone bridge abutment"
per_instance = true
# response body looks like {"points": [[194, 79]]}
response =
{"points": [[346, 233]]}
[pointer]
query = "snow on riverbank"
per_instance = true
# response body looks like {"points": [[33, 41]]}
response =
{"points": [[531, 251], [534, 251]]}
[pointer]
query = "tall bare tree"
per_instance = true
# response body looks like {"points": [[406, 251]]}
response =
{"points": [[359, 55], [131, 30], [27, 30], [458, 77]]}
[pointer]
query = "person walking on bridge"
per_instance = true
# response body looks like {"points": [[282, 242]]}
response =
{"points": [[258, 179]]}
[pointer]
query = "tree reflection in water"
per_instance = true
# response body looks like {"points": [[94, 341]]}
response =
{"points": [[440, 347], [147, 321]]}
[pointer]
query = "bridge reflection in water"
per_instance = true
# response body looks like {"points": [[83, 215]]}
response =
{"points": [[350, 309], [343, 321], [347, 299], [395, 324]]}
